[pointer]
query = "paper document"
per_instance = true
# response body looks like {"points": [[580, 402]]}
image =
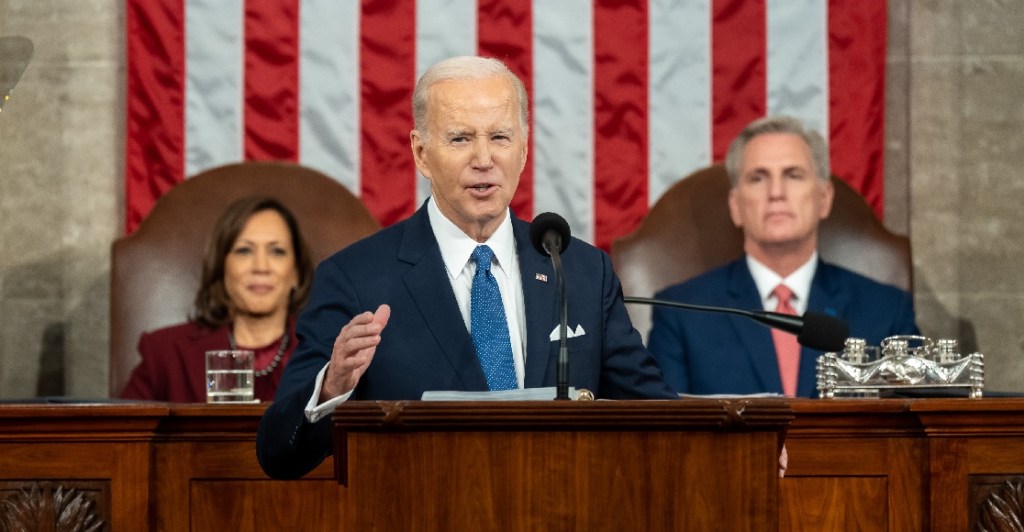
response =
{"points": [[527, 394], [729, 395]]}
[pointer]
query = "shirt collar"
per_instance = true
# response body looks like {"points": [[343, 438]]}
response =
{"points": [[457, 247], [799, 281]]}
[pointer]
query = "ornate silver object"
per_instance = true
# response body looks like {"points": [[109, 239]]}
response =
{"points": [[906, 362]]}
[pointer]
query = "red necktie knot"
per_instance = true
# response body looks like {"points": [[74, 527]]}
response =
{"points": [[784, 296]]}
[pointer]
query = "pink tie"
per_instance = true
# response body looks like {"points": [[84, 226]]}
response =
{"points": [[786, 347]]}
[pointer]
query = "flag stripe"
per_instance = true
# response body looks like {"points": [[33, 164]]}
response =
{"points": [[797, 82], [506, 32], [387, 63], [680, 91], [738, 68], [627, 96], [329, 90], [620, 117], [857, 96], [272, 80], [213, 85], [564, 119], [155, 125]]}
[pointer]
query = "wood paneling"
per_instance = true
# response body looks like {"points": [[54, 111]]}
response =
{"points": [[821, 504], [249, 506], [867, 457], [971, 441], [103, 449], [926, 464], [632, 465]]}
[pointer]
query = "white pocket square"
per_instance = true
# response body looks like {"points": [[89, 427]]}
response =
{"points": [[569, 333]]}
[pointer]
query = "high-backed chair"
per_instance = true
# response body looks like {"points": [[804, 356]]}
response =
{"points": [[688, 231], [155, 270]]}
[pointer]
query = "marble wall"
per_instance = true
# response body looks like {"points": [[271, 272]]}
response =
{"points": [[61, 138], [965, 144], [953, 140]]}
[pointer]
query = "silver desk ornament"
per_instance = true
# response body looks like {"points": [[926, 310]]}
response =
{"points": [[906, 362]]}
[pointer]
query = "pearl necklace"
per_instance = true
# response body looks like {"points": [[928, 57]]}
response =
{"points": [[273, 363]]}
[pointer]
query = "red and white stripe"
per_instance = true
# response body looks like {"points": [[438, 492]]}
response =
{"points": [[627, 96]]}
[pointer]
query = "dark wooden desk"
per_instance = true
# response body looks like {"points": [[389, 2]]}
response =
{"points": [[937, 464], [561, 465], [151, 466], [193, 467], [854, 465], [91, 463], [205, 471], [902, 464]]}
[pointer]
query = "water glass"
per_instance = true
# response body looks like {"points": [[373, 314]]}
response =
{"points": [[229, 376]]}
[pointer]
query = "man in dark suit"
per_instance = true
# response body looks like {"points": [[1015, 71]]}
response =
{"points": [[780, 192], [403, 299]]}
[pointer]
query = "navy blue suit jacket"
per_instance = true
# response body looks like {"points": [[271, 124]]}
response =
{"points": [[425, 345], [704, 353]]}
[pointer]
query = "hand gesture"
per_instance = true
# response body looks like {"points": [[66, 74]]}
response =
{"points": [[353, 351]]}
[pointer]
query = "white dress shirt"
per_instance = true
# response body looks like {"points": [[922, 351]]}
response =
{"points": [[799, 282], [456, 251]]}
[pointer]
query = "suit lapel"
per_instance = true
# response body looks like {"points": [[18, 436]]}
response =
{"points": [[756, 338], [539, 301], [826, 291], [428, 285], [826, 298]]}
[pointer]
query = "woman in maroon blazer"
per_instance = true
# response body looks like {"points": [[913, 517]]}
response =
{"points": [[256, 275]]}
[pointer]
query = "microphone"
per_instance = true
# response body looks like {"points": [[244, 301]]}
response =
{"points": [[549, 231], [549, 234], [814, 330]]}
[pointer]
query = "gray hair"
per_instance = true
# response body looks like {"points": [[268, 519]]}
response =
{"points": [[465, 67], [777, 124]]}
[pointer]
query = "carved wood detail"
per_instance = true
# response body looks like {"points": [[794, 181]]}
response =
{"points": [[1001, 506], [57, 506]]}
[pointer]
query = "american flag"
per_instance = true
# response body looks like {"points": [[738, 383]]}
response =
{"points": [[628, 96]]}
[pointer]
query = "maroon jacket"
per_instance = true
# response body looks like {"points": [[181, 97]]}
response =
{"points": [[173, 366]]}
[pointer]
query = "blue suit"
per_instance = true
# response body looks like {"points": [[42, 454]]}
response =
{"points": [[704, 353], [425, 345]]}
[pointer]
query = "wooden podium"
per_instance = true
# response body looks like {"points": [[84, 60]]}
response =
{"points": [[870, 464], [560, 465]]}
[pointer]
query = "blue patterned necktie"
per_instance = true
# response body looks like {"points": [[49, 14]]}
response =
{"points": [[488, 325]]}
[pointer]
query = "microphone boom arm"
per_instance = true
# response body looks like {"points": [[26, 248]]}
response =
{"points": [[817, 331], [786, 322]]}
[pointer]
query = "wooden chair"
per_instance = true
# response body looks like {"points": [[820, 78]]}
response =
{"points": [[688, 232], [155, 270]]}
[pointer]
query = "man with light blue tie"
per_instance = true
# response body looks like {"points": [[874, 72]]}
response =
{"points": [[455, 297]]}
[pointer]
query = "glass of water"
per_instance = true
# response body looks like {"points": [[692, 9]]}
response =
{"points": [[229, 376]]}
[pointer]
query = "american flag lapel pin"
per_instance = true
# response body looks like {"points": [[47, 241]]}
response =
{"points": [[541, 277]]}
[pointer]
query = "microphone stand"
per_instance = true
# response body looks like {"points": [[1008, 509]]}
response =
{"points": [[562, 375], [549, 234]]}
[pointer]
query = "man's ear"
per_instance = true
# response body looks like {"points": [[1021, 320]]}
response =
{"points": [[416, 144], [734, 209], [526, 152], [828, 193]]}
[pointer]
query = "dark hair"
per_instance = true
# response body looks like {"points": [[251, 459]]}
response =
{"points": [[213, 305]]}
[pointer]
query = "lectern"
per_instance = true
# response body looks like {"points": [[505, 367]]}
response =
{"points": [[692, 464]]}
